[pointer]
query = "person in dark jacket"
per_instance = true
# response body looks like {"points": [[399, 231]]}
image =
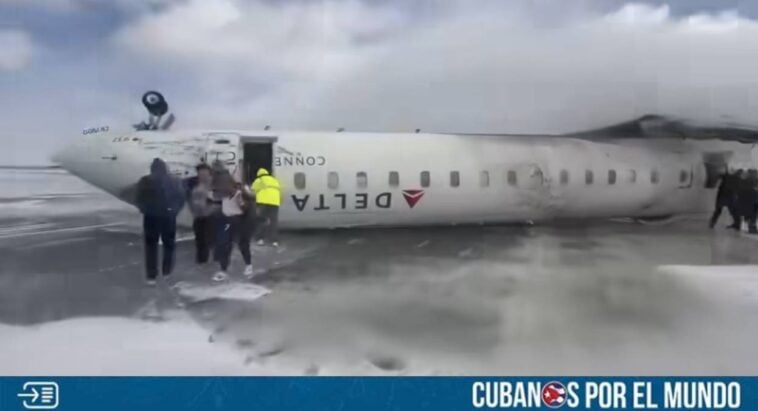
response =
{"points": [[726, 196], [747, 199], [159, 198]]}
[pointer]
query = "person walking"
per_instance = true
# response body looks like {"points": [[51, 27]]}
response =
{"points": [[230, 223], [737, 181], [159, 199], [726, 196], [745, 198], [268, 198], [750, 200], [204, 210]]}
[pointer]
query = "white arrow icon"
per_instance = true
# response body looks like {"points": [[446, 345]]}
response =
{"points": [[40, 395], [34, 394]]}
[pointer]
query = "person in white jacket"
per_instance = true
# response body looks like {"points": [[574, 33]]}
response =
{"points": [[230, 226]]}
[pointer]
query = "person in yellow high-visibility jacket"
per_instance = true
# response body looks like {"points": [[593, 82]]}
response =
{"points": [[268, 198]]}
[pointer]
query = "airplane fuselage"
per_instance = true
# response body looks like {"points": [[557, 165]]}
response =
{"points": [[341, 179]]}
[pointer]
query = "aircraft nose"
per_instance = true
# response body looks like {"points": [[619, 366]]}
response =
{"points": [[61, 156], [67, 156]]}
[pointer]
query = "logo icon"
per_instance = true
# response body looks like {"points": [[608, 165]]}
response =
{"points": [[553, 394], [40, 395], [412, 197], [282, 150]]}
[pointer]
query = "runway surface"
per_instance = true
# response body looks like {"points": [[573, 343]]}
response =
{"points": [[607, 297]]}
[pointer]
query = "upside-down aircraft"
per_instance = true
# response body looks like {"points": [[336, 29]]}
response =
{"points": [[649, 168]]}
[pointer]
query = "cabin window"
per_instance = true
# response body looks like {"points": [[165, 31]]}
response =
{"points": [[632, 176], [611, 177], [425, 179], [333, 180], [589, 177], [683, 176], [362, 179], [654, 177], [455, 179], [512, 178], [564, 177], [300, 181], [394, 179], [484, 179]]}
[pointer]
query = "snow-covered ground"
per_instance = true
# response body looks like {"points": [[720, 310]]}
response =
{"points": [[737, 284], [23, 183], [32, 202], [116, 346], [600, 298], [40, 193]]}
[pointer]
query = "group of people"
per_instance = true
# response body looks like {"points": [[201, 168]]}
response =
{"points": [[738, 193], [225, 213]]}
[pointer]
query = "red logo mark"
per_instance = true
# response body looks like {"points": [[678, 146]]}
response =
{"points": [[412, 197], [554, 394]]}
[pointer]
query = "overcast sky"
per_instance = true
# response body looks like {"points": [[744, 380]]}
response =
{"points": [[459, 65]]}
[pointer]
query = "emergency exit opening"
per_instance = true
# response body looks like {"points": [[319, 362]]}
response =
{"points": [[715, 166], [255, 156]]}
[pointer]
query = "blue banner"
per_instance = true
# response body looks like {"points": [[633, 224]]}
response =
{"points": [[376, 393]]}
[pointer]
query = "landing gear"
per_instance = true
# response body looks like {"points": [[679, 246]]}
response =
{"points": [[157, 106]]}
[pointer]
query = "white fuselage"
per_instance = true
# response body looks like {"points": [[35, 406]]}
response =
{"points": [[340, 179]]}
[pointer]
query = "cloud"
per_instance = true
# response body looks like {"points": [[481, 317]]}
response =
{"points": [[493, 67], [484, 66], [55, 5], [285, 41], [74, 6], [496, 71], [16, 49]]}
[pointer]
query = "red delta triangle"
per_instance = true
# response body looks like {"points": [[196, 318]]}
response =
{"points": [[412, 197]]}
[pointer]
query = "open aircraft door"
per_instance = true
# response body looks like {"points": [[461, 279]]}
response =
{"points": [[535, 178], [531, 188]]}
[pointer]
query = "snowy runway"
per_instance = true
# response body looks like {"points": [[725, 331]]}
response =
{"points": [[600, 298]]}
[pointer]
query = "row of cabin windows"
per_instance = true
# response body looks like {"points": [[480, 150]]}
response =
{"points": [[511, 178]]}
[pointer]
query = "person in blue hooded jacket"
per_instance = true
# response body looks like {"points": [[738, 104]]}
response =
{"points": [[160, 198]]}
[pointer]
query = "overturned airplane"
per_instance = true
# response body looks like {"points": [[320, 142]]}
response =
{"points": [[652, 167]]}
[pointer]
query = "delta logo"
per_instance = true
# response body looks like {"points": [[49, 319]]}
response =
{"points": [[412, 197], [353, 201]]}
